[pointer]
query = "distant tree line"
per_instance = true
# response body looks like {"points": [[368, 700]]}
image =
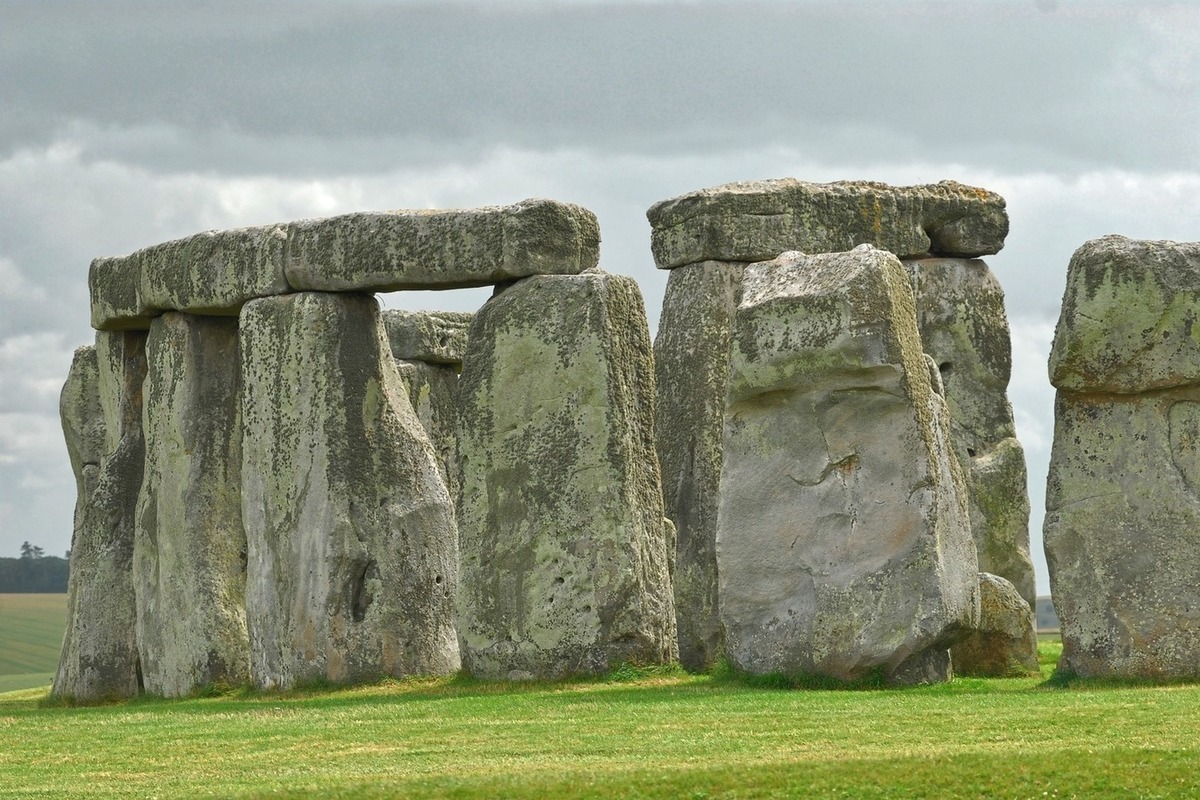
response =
{"points": [[33, 572]]}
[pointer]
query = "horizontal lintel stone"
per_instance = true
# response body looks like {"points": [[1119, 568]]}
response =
{"points": [[757, 220]]}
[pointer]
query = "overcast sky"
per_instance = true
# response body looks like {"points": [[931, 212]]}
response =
{"points": [[125, 124]]}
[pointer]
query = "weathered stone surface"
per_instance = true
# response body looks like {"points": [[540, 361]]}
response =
{"points": [[99, 656], [189, 558], [435, 337], [843, 539], [352, 548], [964, 328], [691, 368], [1128, 320], [211, 273], [758, 220], [113, 284], [564, 544], [1122, 532], [386, 251], [1005, 643], [433, 390]]}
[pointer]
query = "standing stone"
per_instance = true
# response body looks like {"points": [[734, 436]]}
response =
{"points": [[351, 541], [843, 539], [1122, 528], [1005, 643], [564, 543], [964, 328], [433, 391], [189, 557], [99, 657], [691, 369]]}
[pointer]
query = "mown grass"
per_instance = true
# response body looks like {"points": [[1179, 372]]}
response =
{"points": [[641, 734], [31, 632]]}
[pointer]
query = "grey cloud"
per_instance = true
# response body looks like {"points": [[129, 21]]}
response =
{"points": [[410, 82]]}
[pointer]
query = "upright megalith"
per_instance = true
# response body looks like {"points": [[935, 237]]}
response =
{"points": [[99, 655], [189, 558], [705, 238], [565, 566], [691, 370], [964, 328], [843, 539], [351, 540], [1122, 527], [428, 347]]}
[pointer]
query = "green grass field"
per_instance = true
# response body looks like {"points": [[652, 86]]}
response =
{"points": [[31, 632], [665, 735]]}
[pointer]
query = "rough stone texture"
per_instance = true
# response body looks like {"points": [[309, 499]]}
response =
{"points": [[1128, 320], [843, 539], [565, 566], [387, 251], [1122, 532], [433, 391], [99, 655], [212, 273], [352, 548], [435, 337], [964, 328], [189, 558], [758, 220], [691, 368], [1123, 493], [1005, 644], [113, 286]]}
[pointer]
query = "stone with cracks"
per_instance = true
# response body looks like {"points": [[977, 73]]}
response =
{"points": [[758, 220], [435, 337], [691, 367], [843, 540], [1005, 643], [391, 250], [351, 540], [1123, 493], [99, 657], [210, 273], [964, 328], [564, 543], [189, 558]]}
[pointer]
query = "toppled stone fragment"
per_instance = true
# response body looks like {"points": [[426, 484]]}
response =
{"points": [[435, 337], [99, 657], [964, 328], [1005, 643], [843, 539], [210, 273], [564, 544], [189, 558], [391, 250], [1129, 317], [758, 220], [691, 368], [352, 546]]}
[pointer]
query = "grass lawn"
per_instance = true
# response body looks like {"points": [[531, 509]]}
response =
{"points": [[666, 735], [31, 632]]}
